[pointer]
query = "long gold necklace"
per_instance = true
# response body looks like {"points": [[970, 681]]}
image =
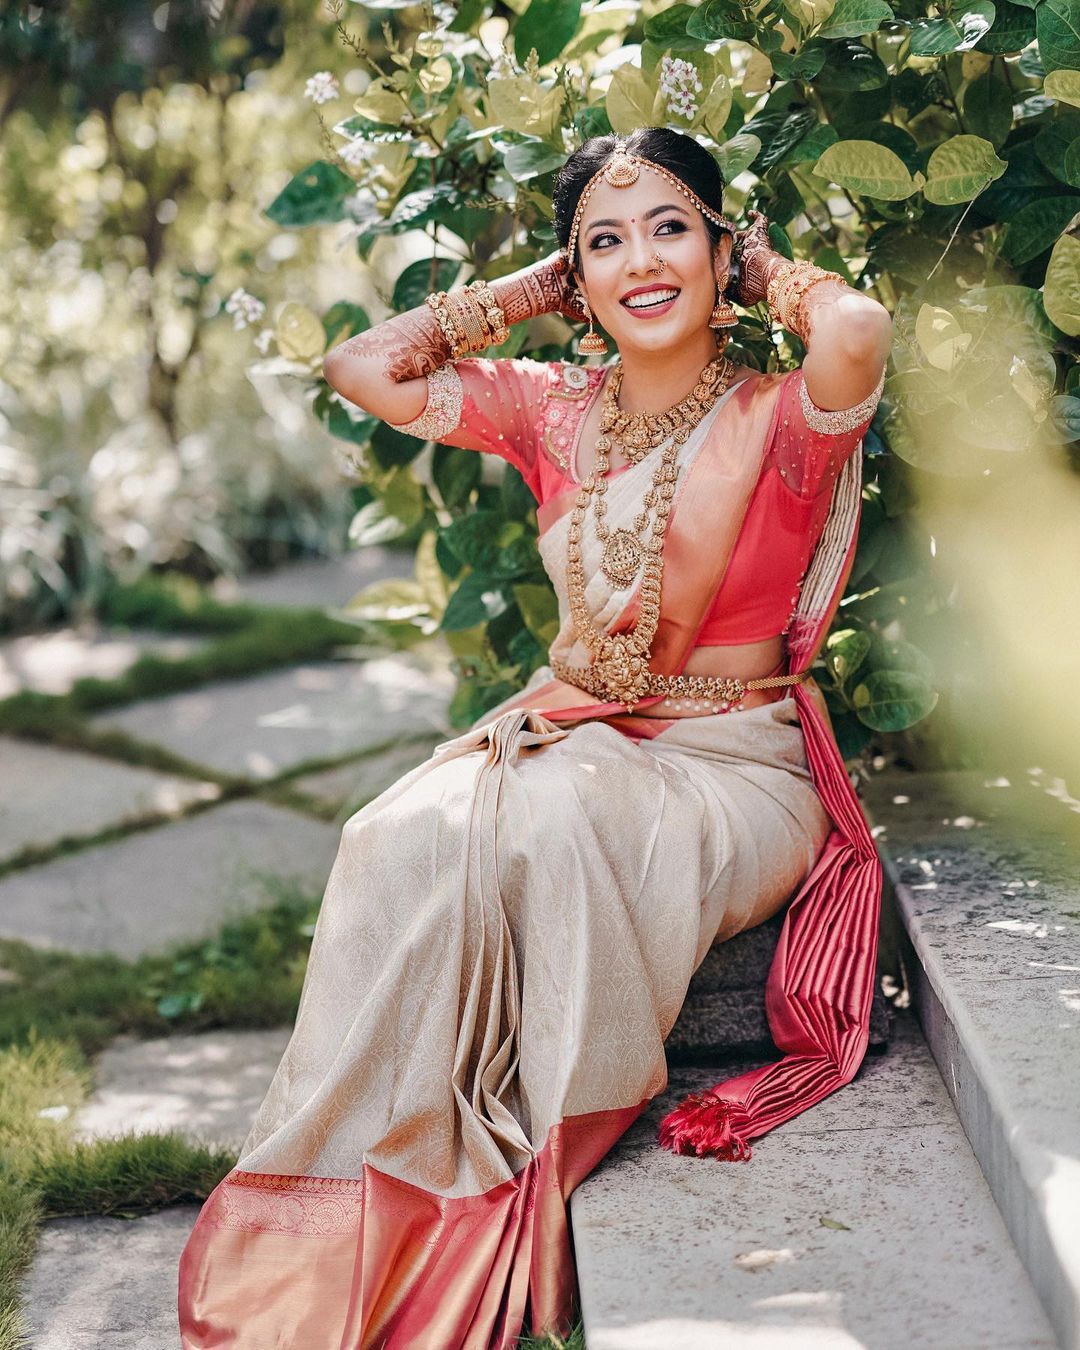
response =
{"points": [[622, 661], [624, 551]]}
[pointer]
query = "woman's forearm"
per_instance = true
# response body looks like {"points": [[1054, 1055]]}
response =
{"points": [[384, 370]]}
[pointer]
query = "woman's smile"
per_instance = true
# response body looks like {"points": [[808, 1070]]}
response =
{"points": [[646, 302]]}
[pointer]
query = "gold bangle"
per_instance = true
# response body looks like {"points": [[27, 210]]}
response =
{"points": [[493, 311], [466, 313], [788, 287], [455, 336]]}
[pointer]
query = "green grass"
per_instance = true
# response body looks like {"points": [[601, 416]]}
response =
{"points": [[243, 640], [575, 1341], [60, 1009]]}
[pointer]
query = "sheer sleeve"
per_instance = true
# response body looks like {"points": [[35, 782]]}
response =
{"points": [[481, 403], [812, 443]]}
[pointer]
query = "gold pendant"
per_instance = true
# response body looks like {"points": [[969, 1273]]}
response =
{"points": [[622, 559]]}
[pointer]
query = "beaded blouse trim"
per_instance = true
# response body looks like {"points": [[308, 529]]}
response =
{"points": [[838, 420], [442, 412]]}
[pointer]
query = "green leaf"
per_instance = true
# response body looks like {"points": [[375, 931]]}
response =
{"points": [[393, 600], [845, 651], [959, 168], [987, 107], [344, 320], [523, 104], [349, 423], [1036, 226], [826, 1222], [1063, 85], [532, 158], [1012, 30], [737, 154], [1065, 410], [455, 473], [547, 25], [890, 700], [632, 101], [316, 194], [721, 19], [867, 168], [416, 282], [955, 32], [851, 67], [1057, 25], [477, 599], [1061, 289], [392, 448], [539, 607], [852, 18]]}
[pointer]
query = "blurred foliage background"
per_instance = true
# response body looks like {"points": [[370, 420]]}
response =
{"points": [[198, 200]]}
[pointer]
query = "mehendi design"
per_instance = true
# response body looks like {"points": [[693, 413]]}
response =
{"points": [[413, 344], [537, 291]]}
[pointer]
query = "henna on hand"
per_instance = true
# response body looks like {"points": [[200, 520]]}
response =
{"points": [[412, 344]]}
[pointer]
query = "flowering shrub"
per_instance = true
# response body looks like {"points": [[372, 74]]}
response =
{"points": [[927, 158]]}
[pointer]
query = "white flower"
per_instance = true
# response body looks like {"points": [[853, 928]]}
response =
{"points": [[244, 308], [263, 340], [352, 152], [321, 87], [679, 82]]}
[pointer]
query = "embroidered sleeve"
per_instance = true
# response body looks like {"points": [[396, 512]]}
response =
{"points": [[812, 443], [483, 403]]}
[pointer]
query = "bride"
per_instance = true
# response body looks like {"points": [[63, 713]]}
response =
{"points": [[509, 930]]}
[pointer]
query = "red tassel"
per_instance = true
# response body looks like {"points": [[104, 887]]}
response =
{"points": [[705, 1124]]}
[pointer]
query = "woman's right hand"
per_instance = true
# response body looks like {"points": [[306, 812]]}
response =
{"points": [[569, 297], [543, 287]]}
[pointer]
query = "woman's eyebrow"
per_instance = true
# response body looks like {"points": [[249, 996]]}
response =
{"points": [[656, 210]]}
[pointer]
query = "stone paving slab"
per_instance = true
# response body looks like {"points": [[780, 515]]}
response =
{"points": [[350, 785], [259, 728], [108, 1284], [207, 1085], [320, 582], [995, 970], [48, 794], [177, 881], [700, 1254], [51, 662]]}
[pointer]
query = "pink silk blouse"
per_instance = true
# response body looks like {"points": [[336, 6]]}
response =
{"points": [[530, 413]]}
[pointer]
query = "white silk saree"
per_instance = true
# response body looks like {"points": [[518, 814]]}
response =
{"points": [[506, 939]]}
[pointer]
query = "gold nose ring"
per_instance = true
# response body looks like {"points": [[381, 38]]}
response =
{"points": [[661, 262]]}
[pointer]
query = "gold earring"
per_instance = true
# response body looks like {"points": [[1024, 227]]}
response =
{"points": [[590, 343], [723, 315]]}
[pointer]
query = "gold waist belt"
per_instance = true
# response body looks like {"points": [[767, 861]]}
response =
{"points": [[721, 691]]}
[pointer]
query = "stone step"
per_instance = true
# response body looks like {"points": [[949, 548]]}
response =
{"points": [[865, 1221], [986, 883], [724, 1011]]}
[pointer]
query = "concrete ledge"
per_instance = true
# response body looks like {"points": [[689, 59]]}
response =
{"points": [[724, 1011], [865, 1221], [987, 886]]}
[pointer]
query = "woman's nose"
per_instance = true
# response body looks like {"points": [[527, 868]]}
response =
{"points": [[640, 256]]}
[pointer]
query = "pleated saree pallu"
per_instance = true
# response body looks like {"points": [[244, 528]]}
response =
{"points": [[505, 941]]}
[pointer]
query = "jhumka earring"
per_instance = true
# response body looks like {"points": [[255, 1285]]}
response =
{"points": [[590, 343], [723, 314]]}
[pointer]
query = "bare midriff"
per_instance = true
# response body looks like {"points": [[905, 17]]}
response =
{"points": [[744, 661]]}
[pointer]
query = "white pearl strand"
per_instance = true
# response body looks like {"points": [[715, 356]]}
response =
{"points": [[704, 704]]}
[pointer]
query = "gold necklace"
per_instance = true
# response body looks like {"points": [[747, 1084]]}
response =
{"points": [[622, 661], [638, 433], [624, 550]]}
